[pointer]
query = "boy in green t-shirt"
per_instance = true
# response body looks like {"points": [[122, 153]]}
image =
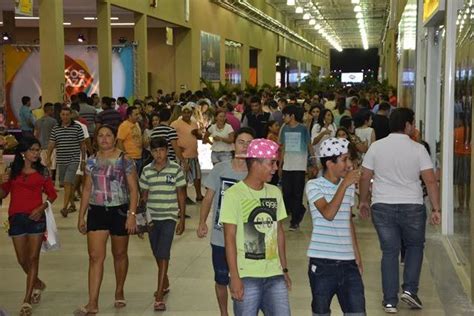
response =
{"points": [[252, 213], [164, 190]]}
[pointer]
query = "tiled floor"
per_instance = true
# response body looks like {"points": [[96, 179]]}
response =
{"points": [[191, 276]]}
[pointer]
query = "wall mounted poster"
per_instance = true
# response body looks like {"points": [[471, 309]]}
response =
{"points": [[210, 56]]}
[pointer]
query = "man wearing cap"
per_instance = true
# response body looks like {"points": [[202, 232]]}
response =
{"points": [[188, 135], [252, 214], [335, 264]]}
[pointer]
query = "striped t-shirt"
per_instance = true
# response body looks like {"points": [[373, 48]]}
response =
{"points": [[170, 134], [330, 239], [162, 187], [68, 143]]}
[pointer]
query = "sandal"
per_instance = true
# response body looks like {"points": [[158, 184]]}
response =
{"points": [[71, 209], [120, 303], [36, 296], [165, 292], [159, 306], [26, 310], [63, 212], [82, 311]]}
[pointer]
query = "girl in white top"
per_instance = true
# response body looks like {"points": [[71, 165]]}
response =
{"points": [[221, 136], [363, 129], [324, 129]]}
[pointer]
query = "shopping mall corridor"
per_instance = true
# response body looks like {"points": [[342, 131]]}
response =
{"points": [[191, 276]]}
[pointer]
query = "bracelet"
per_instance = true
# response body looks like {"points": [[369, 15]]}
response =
{"points": [[131, 213]]}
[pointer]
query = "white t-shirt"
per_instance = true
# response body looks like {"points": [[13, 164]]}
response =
{"points": [[397, 162], [316, 130], [365, 134], [220, 145], [79, 172]]}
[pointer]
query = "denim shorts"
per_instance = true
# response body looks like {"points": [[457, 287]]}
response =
{"points": [[336, 277], [67, 172], [21, 225], [219, 263], [161, 236]]}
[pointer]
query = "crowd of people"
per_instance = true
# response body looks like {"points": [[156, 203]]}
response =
{"points": [[129, 165]]}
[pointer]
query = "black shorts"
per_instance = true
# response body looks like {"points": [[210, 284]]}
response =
{"points": [[111, 218], [161, 236]]}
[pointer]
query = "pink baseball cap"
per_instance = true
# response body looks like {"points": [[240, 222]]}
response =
{"points": [[262, 148]]}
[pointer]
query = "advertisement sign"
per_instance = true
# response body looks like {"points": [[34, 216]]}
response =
{"points": [[24, 7], [210, 56], [81, 73], [433, 12]]}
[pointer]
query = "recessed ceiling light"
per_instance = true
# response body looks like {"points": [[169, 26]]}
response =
{"points": [[312, 22], [357, 8], [290, 2], [66, 23], [122, 24], [306, 16], [359, 15], [299, 10], [93, 18], [317, 26]]}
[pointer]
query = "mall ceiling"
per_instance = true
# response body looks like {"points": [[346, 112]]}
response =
{"points": [[338, 19]]}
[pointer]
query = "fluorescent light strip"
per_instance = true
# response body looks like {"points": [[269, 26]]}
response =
{"points": [[66, 23], [93, 18], [26, 17], [122, 24]]}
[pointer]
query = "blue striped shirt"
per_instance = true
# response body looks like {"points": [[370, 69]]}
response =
{"points": [[330, 239]]}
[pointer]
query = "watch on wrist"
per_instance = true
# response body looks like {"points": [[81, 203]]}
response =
{"points": [[285, 270], [131, 213]]}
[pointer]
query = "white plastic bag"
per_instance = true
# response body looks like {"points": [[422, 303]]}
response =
{"points": [[52, 237]]}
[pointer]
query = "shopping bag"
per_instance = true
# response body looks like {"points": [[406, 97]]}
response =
{"points": [[51, 240]]}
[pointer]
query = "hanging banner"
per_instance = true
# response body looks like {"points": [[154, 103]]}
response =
{"points": [[24, 7], [210, 56], [81, 74]]}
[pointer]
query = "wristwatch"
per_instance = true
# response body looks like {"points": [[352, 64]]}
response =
{"points": [[285, 270]]}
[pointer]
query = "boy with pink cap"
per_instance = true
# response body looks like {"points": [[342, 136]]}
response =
{"points": [[252, 214]]}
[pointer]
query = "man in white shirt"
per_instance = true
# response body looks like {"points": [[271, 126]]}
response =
{"points": [[396, 163]]}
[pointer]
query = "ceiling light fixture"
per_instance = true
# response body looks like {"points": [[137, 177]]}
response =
{"points": [[66, 23], [299, 10], [26, 17], [312, 22], [306, 16], [122, 24], [355, 1], [6, 37], [357, 8], [290, 2], [81, 38], [93, 18], [359, 15]]}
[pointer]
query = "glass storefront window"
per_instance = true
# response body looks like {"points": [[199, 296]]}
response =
{"points": [[233, 51]]}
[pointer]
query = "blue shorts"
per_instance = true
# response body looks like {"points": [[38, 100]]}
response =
{"points": [[219, 263], [21, 225]]}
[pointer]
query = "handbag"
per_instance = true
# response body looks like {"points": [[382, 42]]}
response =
{"points": [[51, 236], [141, 217]]}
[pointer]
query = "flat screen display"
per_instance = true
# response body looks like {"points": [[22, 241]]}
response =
{"points": [[354, 77]]}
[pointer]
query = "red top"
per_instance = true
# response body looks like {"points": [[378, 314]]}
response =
{"points": [[27, 192]]}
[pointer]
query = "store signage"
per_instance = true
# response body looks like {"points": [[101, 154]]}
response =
{"points": [[433, 12], [24, 7]]}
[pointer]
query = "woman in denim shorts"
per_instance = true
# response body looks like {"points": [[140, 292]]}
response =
{"points": [[108, 205], [27, 224]]}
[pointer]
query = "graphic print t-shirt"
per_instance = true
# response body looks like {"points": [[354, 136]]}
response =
{"points": [[256, 214], [219, 180]]}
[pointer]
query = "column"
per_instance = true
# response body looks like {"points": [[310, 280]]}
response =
{"points": [[104, 45], [420, 68], [447, 190], [141, 38], [188, 59], [51, 34], [244, 64]]}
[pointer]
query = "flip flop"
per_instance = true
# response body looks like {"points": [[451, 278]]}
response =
{"points": [[82, 311], [120, 303], [26, 309], [159, 306], [36, 295], [71, 209]]}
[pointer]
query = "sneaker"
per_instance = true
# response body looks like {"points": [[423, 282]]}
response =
{"points": [[389, 308], [294, 227], [411, 299]]}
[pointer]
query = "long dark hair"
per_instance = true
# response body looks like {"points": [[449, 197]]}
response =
{"points": [[322, 115], [19, 162]]}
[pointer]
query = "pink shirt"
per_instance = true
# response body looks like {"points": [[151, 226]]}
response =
{"points": [[233, 121]]}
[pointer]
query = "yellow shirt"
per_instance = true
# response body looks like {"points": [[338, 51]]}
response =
{"points": [[38, 113], [131, 136]]}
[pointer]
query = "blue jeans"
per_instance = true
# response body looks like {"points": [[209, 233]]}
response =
{"points": [[336, 277], [267, 294], [396, 222]]}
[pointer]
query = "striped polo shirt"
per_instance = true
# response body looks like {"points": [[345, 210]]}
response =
{"points": [[68, 143], [170, 134], [162, 187], [330, 239]]}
